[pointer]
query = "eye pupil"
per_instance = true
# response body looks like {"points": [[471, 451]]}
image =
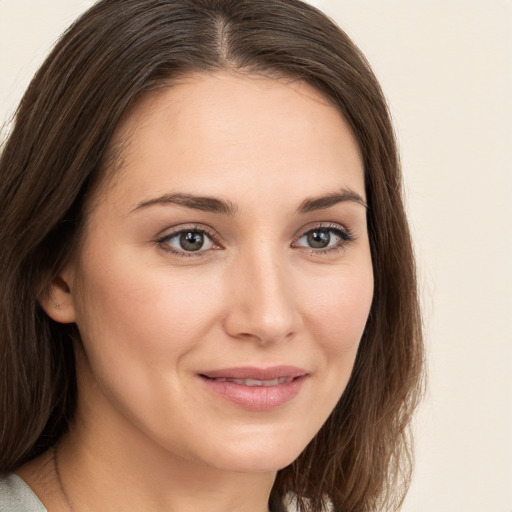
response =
{"points": [[191, 240], [319, 238]]}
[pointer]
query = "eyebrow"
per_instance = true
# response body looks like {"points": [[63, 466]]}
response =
{"points": [[203, 203], [214, 205], [328, 200]]}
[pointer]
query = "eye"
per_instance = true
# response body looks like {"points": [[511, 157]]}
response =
{"points": [[187, 241], [323, 238]]}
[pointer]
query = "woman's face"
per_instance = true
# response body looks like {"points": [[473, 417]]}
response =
{"points": [[225, 277]]}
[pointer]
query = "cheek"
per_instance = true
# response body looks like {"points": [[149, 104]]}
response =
{"points": [[337, 308], [138, 324], [128, 305]]}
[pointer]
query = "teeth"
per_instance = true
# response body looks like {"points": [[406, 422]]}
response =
{"points": [[257, 382]]}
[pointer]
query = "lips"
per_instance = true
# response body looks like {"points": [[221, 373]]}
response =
{"points": [[257, 382], [256, 389], [250, 372]]}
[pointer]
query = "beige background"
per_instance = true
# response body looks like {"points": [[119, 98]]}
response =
{"points": [[446, 67]]}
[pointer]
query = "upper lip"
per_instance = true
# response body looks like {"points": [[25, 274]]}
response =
{"points": [[251, 372]]}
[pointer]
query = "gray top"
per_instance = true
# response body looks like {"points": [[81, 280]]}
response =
{"points": [[17, 496]]}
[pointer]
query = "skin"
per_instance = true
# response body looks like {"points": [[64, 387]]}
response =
{"points": [[148, 434]]}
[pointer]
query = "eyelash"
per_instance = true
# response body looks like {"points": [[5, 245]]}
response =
{"points": [[163, 242], [345, 236]]}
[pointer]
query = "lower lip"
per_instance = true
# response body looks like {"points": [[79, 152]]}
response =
{"points": [[256, 398]]}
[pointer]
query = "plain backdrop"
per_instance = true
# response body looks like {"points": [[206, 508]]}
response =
{"points": [[446, 68]]}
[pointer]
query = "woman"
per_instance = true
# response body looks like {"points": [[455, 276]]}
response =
{"points": [[208, 296]]}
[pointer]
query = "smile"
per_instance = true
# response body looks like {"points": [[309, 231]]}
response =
{"points": [[257, 382], [256, 389]]}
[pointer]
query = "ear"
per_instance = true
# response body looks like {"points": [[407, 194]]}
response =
{"points": [[57, 301]]}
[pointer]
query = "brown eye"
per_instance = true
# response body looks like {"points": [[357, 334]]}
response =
{"points": [[324, 238], [318, 238], [189, 240]]}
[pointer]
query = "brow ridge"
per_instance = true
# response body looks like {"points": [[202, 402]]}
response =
{"points": [[203, 203], [215, 205], [328, 200]]}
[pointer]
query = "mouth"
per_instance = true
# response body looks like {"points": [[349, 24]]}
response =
{"points": [[254, 382], [254, 376], [256, 389]]}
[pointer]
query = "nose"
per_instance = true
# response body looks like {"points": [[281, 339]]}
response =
{"points": [[262, 305]]}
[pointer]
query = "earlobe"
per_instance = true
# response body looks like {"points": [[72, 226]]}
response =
{"points": [[57, 301]]}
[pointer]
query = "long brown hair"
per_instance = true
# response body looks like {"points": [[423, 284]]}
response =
{"points": [[59, 148]]}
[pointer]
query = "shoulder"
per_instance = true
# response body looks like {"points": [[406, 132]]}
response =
{"points": [[16, 495]]}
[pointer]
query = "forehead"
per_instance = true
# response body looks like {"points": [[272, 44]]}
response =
{"points": [[213, 128]]}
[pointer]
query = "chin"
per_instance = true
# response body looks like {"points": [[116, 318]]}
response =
{"points": [[267, 463], [266, 456]]}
